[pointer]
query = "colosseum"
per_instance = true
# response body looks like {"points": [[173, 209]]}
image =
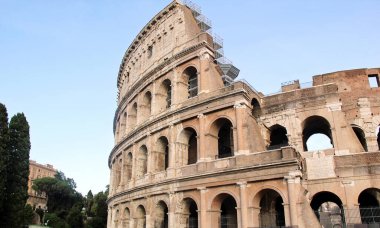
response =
{"points": [[196, 148]]}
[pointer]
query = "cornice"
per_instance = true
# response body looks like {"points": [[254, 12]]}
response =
{"points": [[142, 34], [154, 71]]}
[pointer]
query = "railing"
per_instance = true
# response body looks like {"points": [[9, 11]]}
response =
{"points": [[359, 217]]}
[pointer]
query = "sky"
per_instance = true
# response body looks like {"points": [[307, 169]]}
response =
{"points": [[59, 61]]}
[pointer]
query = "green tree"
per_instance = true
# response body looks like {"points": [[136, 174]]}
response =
{"points": [[75, 217], [4, 157], [60, 193], [99, 210], [17, 171], [27, 215], [89, 203]]}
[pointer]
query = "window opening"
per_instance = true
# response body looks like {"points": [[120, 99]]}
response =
{"points": [[150, 51], [225, 140], [361, 137], [278, 137], [328, 208], [373, 80]]}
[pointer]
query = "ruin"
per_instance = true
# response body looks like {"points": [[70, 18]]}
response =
{"points": [[196, 148]]}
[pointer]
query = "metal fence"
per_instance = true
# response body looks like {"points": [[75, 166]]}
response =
{"points": [[365, 217], [228, 222]]}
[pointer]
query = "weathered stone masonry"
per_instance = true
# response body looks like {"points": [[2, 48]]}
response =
{"points": [[193, 148]]}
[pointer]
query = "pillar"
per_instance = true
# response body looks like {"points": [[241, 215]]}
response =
{"points": [[293, 182], [203, 219], [240, 136], [202, 156], [243, 204]]}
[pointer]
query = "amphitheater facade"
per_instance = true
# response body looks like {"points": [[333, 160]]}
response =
{"points": [[196, 148]]}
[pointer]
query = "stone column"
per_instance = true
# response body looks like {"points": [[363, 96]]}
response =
{"points": [[202, 156], [293, 181], [240, 136], [172, 155], [134, 163], [351, 207], [243, 204], [109, 217], [171, 210], [123, 172], [203, 219], [149, 146]]}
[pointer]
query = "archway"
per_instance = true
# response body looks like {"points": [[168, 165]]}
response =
{"points": [[256, 108], [224, 206], [161, 219], [132, 117], [188, 146], [142, 158], [328, 208], [127, 217], [278, 137], [361, 136], [123, 124], [146, 106], [316, 134], [117, 173], [190, 213], [162, 154], [191, 76], [271, 207], [116, 218], [222, 128], [369, 205], [140, 217], [129, 163]]}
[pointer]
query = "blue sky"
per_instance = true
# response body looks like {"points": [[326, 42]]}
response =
{"points": [[59, 61]]}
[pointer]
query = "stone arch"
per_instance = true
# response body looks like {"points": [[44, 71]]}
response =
{"points": [[132, 116], [271, 211], [369, 205], [316, 126], [188, 145], [189, 213], [360, 135], [126, 217], [164, 95], [123, 124], [278, 137], [224, 210], [160, 157], [146, 106], [116, 218], [256, 108], [140, 217], [160, 216], [328, 208], [141, 162], [190, 75], [117, 172], [221, 131], [129, 166]]}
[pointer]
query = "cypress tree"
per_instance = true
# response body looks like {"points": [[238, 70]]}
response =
{"points": [[18, 169], [4, 155]]}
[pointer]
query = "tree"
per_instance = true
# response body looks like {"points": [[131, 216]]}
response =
{"points": [[4, 156], [89, 203], [17, 171], [99, 210], [60, 192]]}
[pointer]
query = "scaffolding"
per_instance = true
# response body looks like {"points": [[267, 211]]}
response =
{"points": [[230, 72]]}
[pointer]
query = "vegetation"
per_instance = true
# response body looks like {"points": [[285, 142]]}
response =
{"points": [[68, 208], [14, 170]]}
